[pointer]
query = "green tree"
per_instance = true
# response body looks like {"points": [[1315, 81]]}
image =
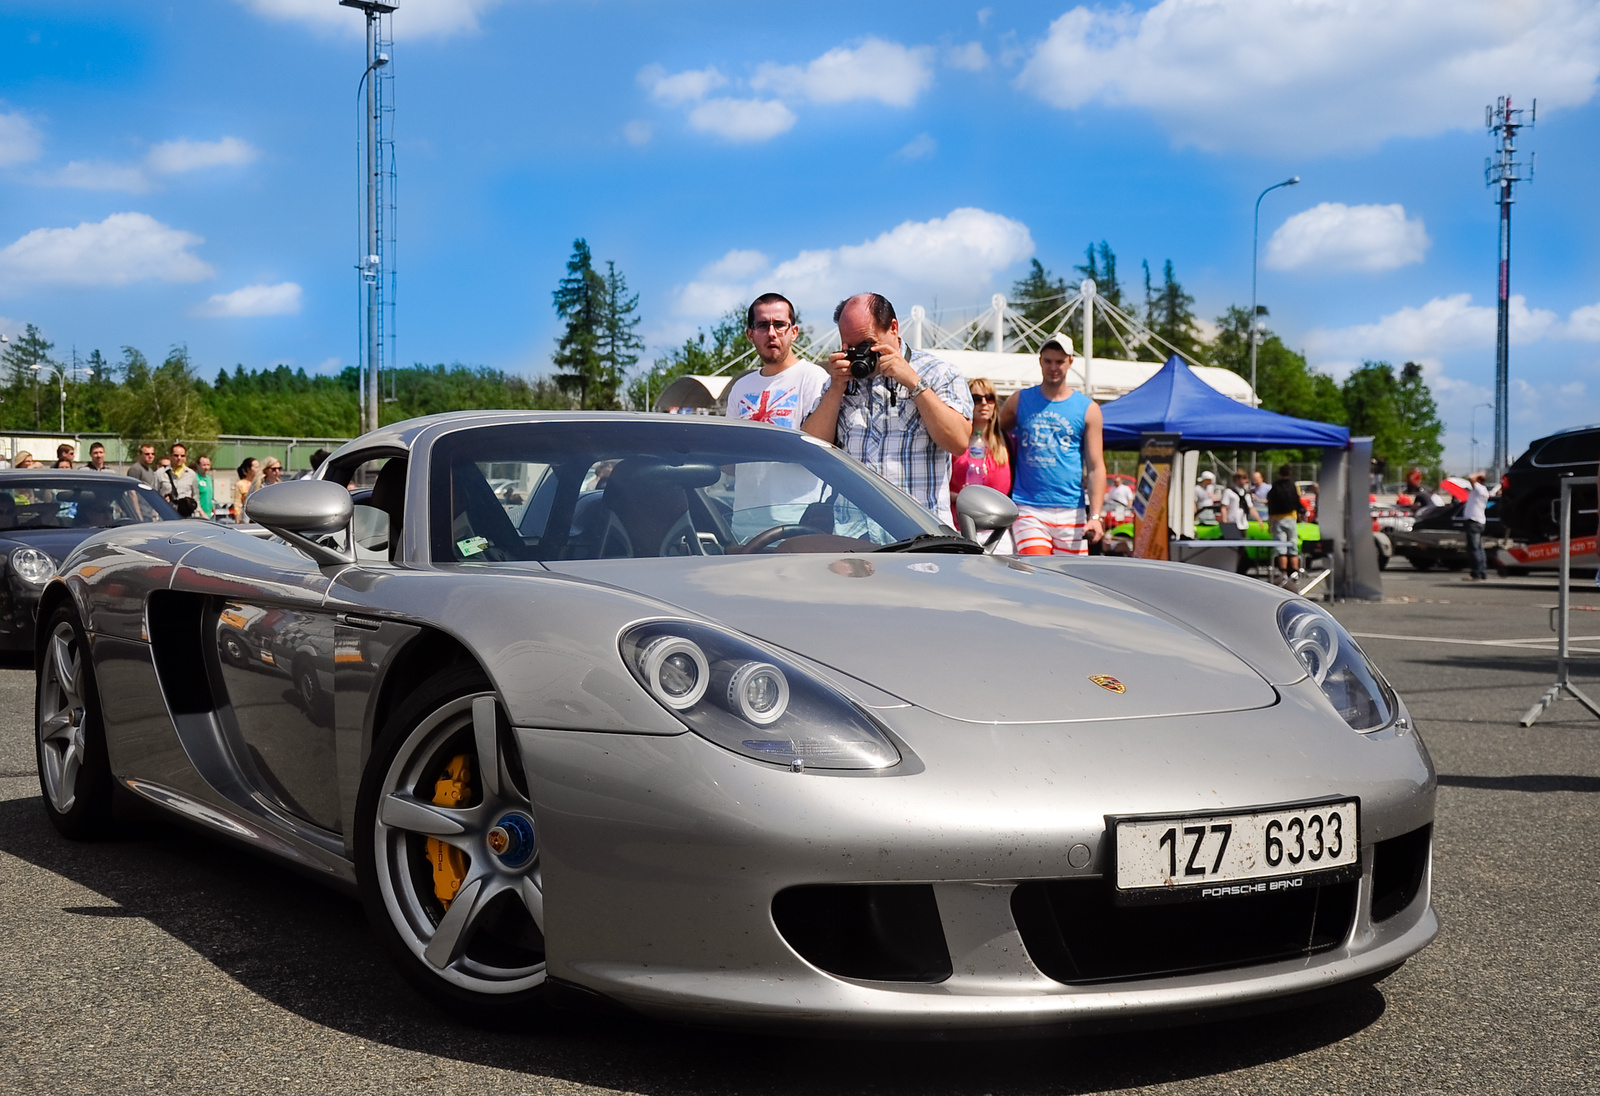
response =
{"points": [[619, 342], [27, 362], [1398, 413], [1170, 315], [1038, 294], [164, 404], [1100, 263], [703, 354], [1284, 383], [580, 300]]}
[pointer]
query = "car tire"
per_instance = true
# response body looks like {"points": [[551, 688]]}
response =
{"points": [[233, 649], [69, 732], [1421, 563], [481, 950]]}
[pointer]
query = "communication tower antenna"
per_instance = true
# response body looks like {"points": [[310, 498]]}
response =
{"points": [[376, 267], [1504, 170]]}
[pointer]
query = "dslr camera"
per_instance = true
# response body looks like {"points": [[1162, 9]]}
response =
{"points": [[863, 360]]}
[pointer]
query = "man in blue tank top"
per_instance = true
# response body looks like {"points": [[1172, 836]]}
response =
{"points": [[1057, 435]]}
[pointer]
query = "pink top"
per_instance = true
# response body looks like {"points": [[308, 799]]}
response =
{"points": [[998, 477]]}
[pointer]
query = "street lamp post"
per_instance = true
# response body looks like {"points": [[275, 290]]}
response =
{"points": [[1255, 241]]}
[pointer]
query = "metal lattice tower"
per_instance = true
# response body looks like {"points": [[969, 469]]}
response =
{"points": [[1505, 171], [376, 268]]}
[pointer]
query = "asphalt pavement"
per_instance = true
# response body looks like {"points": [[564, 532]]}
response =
{"points": [[166, 961]]}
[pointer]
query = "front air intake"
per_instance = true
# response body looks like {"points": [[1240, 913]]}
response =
{"points": [[881, 932]]}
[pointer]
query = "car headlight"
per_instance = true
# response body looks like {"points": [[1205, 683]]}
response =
{"points": [[752, 701], [1332, 660], [33, 565]]}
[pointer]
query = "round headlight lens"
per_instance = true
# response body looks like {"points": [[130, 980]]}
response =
{"points": [[1334, 662], [33, 565], [757, 692], [676, 671]]}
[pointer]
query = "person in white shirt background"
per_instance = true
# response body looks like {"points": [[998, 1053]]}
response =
{"points": [[1472, 521], [1205, 502], [780, 393]]}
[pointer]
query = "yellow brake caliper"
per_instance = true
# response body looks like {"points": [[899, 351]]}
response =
{"points": [[449, 863]]}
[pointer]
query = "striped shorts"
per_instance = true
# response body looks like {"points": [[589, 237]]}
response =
{"points": [[1050, 530]]}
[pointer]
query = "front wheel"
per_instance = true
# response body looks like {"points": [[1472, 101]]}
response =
{"points": [[447, 850], [1421, 563], [70, 737]]}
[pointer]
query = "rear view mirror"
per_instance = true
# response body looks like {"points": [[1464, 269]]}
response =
{"points": [[981, 507], [298, 510]]}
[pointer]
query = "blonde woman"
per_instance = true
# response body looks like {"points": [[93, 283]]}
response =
{"points": [[993, 469], [249, 473], [271, 472]]}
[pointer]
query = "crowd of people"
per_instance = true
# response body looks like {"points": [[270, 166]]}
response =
{"points": [[190, 489], [911, 417]]}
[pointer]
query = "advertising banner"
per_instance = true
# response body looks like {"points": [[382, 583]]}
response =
{"points": [[1150, 533]]}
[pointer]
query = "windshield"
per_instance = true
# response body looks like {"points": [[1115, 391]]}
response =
{"points": [[654, 487], [45, 502]]}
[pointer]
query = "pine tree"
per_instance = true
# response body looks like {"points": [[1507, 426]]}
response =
{"points": [[619, 342], [580, 300], [1170, 315], [1037, 294], [25, 360], [1100, 263]]}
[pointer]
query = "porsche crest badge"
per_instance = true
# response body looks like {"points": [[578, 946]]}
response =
{"points": [[1108, 683]]}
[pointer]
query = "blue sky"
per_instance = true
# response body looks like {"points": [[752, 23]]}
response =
{"points": [[185, 172]]}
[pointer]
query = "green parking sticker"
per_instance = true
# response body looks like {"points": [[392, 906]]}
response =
{"points": [[472, 546]]}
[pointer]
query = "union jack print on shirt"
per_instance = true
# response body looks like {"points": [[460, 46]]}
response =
{"points": [[780, 408]]}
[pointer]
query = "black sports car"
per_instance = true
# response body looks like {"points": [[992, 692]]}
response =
{"points": [[1438, 536], [44, 515], [1532, 486]]}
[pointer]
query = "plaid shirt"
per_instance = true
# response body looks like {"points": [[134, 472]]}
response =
{"points": [[880, 426]]}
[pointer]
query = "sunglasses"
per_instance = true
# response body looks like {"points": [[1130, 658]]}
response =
{"points": [[983, 397]]}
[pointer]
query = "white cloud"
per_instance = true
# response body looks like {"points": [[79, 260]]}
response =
{"points": [[175, 157], [1334, 236], [742, 119], [888, 72], [957, 255], [971, 57], [1444, 323], [918, 147], [416, 19], [282, 299], [97, 175], [678, 88], [1312, 77], [20, 142], [1584, 323], [167, 158], [123, 248], [637, 133]]}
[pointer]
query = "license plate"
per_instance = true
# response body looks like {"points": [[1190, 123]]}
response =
{"points": [[1263, 851]]}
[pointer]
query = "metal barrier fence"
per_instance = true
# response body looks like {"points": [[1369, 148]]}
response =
{"points": [[225, 453], [1563, 613]]}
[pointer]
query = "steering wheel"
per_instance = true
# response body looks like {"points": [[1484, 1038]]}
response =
{"points": [[768, 537]]}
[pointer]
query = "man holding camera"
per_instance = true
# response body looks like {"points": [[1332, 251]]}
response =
{"points": [[901, 412]]}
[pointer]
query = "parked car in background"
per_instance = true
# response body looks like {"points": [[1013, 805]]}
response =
{"points": [[1437, 536], [1530, 491]]}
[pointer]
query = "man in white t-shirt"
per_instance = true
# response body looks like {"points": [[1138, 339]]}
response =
{"points": [[779, 392]]}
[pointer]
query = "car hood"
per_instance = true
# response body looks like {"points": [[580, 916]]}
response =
{"points": [[55, 543], [974, 638]]}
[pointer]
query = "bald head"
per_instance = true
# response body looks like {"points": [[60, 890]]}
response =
{"points": [[865, 316]]}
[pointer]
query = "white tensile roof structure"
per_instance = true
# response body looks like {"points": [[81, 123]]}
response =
{"points": [[1001, 345]]}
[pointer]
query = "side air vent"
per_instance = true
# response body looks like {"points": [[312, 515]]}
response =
{"points": [[177, 623], [885, 932], [1398, 866]]}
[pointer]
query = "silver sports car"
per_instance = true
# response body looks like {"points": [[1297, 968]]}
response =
{"points": [[704, 719]]}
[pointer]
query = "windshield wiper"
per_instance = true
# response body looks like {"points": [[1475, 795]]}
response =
{"points": [[934, 542]]}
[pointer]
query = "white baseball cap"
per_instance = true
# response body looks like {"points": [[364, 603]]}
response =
{"points": [[1062, 340], [1208, 475]]}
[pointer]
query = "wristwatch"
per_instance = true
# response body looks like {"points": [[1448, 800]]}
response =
{"points": [[922, 386]]}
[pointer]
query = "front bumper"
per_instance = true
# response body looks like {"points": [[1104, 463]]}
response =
{"points": [[661, 857], [19, 613]]}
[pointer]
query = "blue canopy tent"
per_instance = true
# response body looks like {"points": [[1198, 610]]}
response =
{"points": [[1175, 401]]}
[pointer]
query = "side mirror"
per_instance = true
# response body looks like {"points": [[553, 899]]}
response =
{"points": [[981, 507], [298, 510]]}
